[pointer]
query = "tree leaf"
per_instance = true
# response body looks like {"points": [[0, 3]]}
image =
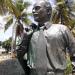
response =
{"points": [[7, 25]]}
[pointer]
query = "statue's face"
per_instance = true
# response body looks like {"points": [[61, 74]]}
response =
{"points": [[39, 12]]}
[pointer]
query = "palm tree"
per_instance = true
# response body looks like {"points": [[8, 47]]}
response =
{"points": [[62, 14], [16, 12], [15, 9]]}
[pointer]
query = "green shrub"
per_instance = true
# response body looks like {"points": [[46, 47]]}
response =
{"points": [[69, 66]]}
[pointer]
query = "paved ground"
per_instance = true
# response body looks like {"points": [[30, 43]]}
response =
{"points": [[10, 66]]}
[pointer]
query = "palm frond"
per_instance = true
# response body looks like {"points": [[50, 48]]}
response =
{"points": [[20, 5], [3, 8], [26, 4], [12, 8], [9, 22], [29, 14], [62, 15], [27, 21]]}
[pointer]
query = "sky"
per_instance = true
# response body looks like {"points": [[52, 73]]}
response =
{"points": [[4, 35], [8, 33]]}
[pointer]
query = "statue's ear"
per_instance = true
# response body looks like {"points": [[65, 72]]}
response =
{"points": [[49, 11]]}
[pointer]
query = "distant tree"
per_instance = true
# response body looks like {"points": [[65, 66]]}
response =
{"points": [[7, 44]]}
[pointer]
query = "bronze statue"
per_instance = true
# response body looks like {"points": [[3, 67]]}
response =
{"points": [[48, 43]]}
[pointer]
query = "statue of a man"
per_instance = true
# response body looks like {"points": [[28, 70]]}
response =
{"points": [[48, 44]]}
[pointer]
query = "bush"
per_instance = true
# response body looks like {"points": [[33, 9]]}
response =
{"points": [[69, 65]]}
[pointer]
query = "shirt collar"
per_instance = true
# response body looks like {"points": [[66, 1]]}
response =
{"points": [[47, 24]]}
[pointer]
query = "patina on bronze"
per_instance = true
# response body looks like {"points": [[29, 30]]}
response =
{"points": [[48, 43], [58, 38]]}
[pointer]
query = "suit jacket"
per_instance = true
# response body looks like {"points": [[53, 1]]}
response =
{"points": [[59, 38]]}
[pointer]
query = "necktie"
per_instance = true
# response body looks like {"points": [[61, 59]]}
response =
{"points": [[41, 60]]}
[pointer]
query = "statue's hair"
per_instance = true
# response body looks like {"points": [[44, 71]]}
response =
{"points": [[48, 6]]}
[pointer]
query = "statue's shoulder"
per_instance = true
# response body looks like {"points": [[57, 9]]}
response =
{"points": [[55, 29], [59, 26]]}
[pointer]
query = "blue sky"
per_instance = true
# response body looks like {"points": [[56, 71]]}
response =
{"points": [[8, 33]]}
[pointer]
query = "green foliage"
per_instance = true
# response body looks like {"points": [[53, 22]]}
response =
{"points": [[20, 5], [8, 24], [7, 44], [69, 66], [3, 8], [62, 14], [27, 21], [16, 9]]}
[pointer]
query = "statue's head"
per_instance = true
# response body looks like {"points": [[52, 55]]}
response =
{"points": [[42, 11]]}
